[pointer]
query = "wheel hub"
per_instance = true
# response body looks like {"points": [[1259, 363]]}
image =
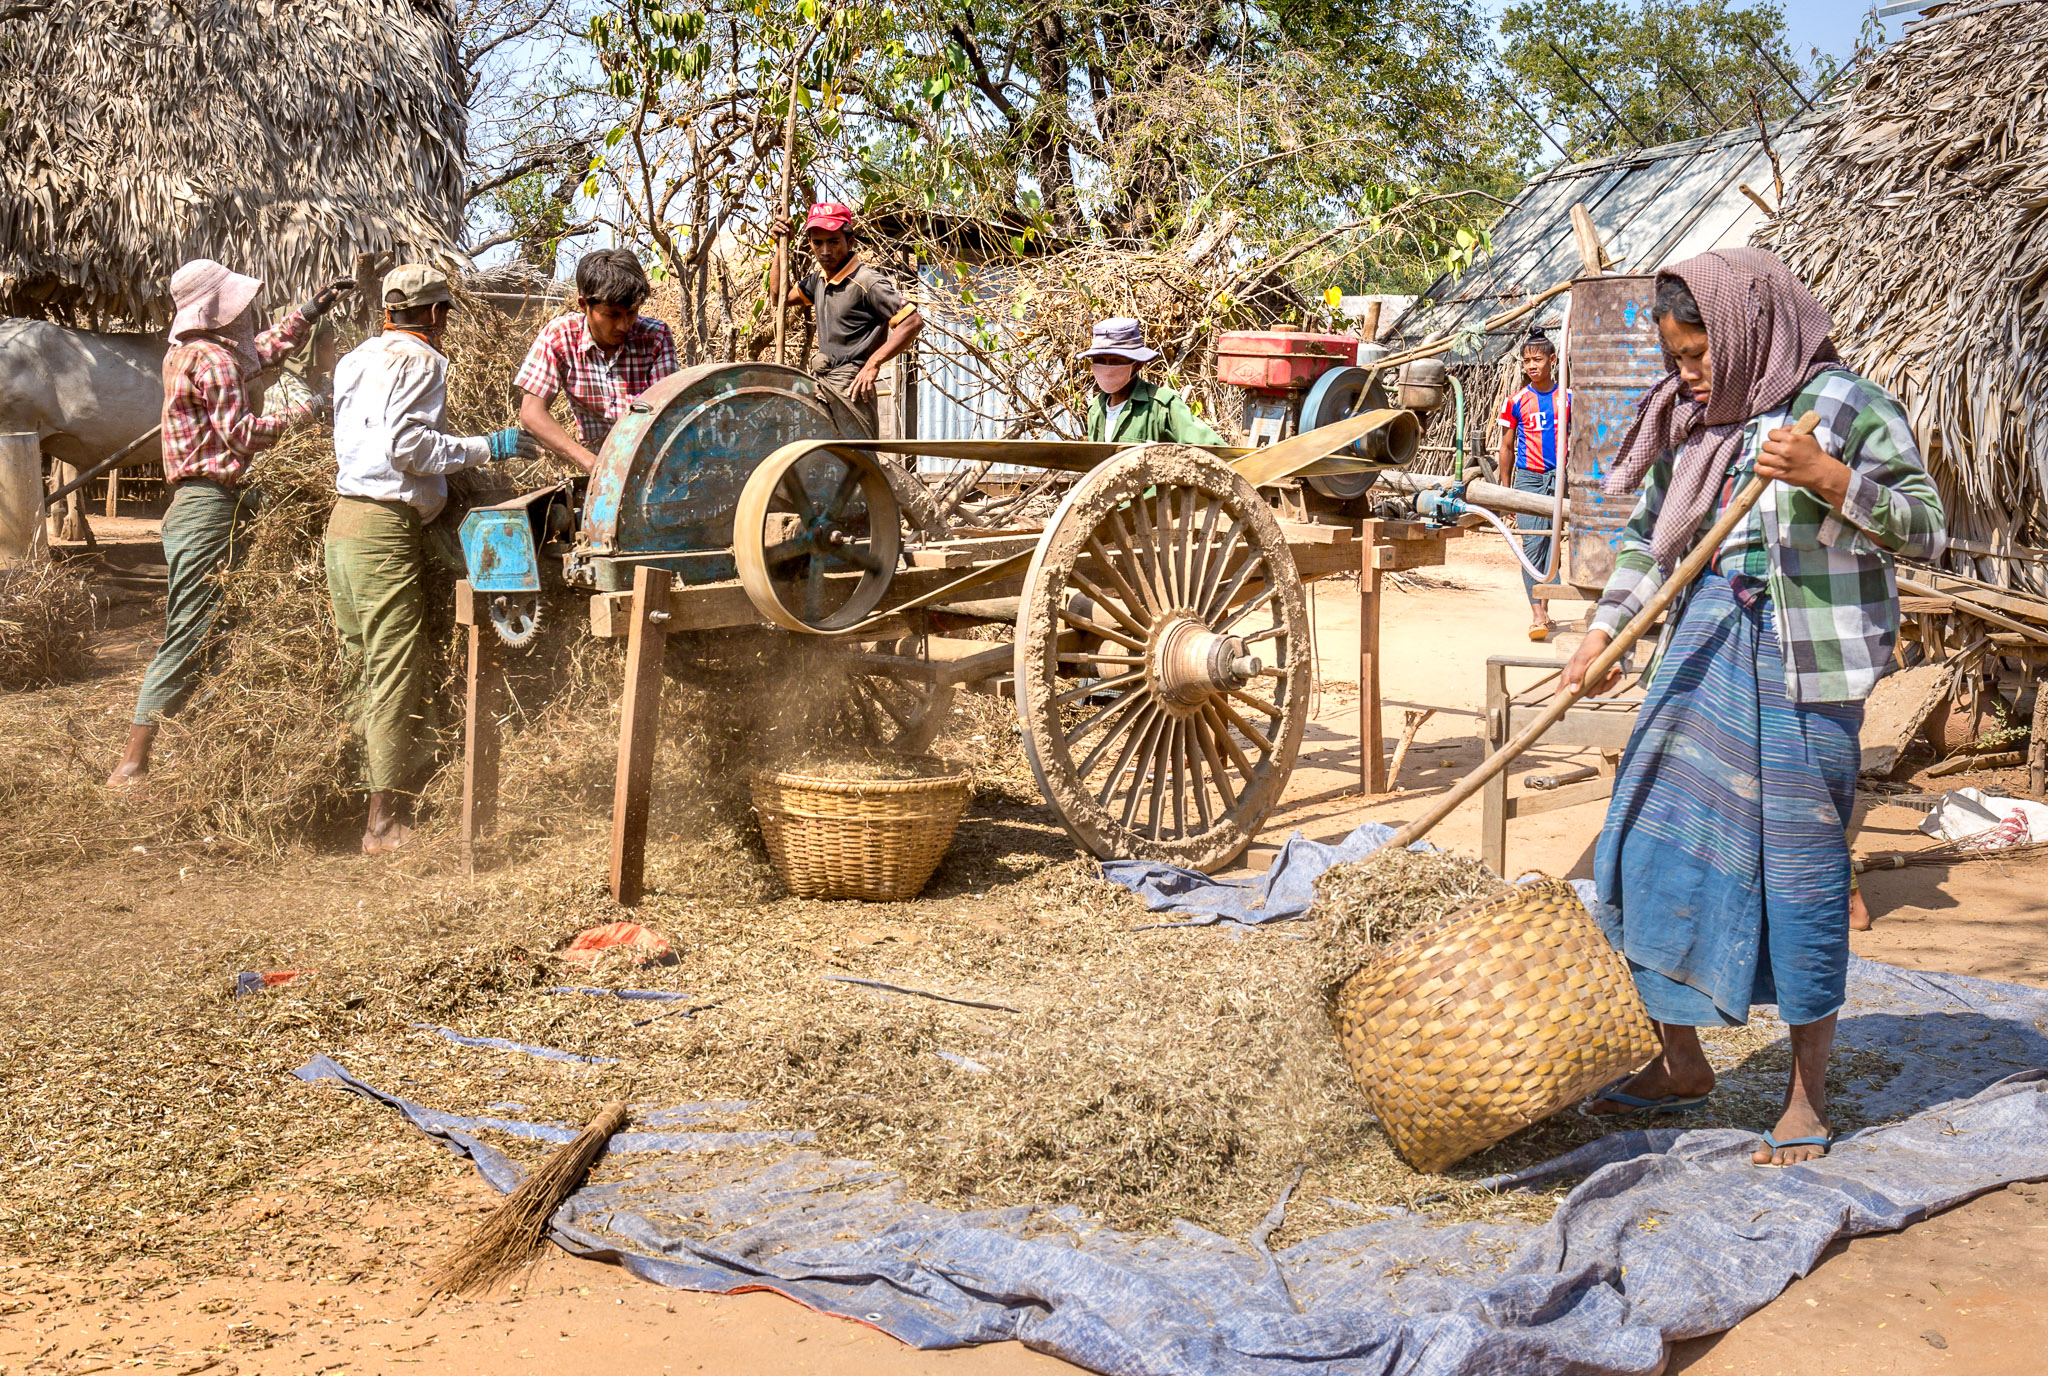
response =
{"points": [[1189, 663]]}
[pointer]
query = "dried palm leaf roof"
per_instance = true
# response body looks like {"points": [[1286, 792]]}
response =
{"points": [[280, 136], [1919, 215]]}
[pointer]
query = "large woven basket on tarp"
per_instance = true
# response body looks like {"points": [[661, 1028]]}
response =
{"points": [[1497, 1016], [859, 838]]}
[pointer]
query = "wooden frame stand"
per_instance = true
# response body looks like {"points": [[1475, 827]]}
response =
{"points": [[646, 643], [1601, 724], [1384, 547], [483, 707]]}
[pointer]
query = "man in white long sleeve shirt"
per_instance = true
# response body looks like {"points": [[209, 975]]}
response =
{"points": [[393, 458]]}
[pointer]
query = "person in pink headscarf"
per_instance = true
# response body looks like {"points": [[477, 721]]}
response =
{"points": [[1723, 869], [213, 424]]}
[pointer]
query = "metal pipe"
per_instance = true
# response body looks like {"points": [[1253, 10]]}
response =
{"points": [[1490, 495]]}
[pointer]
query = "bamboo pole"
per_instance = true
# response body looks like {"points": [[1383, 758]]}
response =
{"points": [[782, 213], [1681, 578]]}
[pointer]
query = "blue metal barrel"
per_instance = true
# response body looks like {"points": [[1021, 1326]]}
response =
{"points": [[1612, 356]]}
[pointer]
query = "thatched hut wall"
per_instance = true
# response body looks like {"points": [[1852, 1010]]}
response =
{"points": [[1919, 215], [279, 136]]}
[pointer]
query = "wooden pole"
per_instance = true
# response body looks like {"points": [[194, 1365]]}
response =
{"points": [[2037, 741], [481, 710], [1372, 752], [781, 290], [1681, 578], [646, 641], [1588, 240]]}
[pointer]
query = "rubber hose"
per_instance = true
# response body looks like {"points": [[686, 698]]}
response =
{"points": [[1514, 539]]}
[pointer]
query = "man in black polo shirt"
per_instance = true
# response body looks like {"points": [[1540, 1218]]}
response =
{"points": [[863, 320]]}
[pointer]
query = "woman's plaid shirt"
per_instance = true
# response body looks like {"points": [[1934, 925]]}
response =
{"points": [[211, 425], [1830, 574]]}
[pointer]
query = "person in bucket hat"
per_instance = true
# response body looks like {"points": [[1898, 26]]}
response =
{"points": [[863, 319], [392, 457], [213, 425], [1126, 408]]}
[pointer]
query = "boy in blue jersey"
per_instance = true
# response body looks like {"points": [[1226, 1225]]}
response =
{"points": [[1533, 427]]}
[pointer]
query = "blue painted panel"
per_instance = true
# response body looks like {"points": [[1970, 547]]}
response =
{"points": [[669, 475], [498, 550]]}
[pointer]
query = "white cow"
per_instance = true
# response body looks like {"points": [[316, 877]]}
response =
{"points": [[84, 394]]}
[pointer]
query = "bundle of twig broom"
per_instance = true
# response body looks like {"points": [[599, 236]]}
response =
{"points": [[514, 1232]]}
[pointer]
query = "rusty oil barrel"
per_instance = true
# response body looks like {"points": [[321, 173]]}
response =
{"points": [[1612, 356]]}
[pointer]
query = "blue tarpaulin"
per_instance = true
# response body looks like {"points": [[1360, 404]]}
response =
{"points": [[1284, 891], [1670, 1234]]}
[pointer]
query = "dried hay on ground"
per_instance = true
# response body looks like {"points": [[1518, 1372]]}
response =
{"points": [[47, 617], [1368, 905], [1144, 1075]]}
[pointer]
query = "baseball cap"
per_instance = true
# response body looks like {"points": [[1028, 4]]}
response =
{"points": [[416, 284], [828, 216]]}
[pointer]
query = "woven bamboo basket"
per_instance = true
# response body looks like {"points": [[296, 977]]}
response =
{"points": [[845, 838], [1494, 1018]]}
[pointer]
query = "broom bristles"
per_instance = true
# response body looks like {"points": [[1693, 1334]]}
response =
{"points": [[515, 1230]]}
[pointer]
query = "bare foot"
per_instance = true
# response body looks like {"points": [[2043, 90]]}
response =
{"points": [[128, 776], [1799, 1121], [1859, 912], [1657, 1080], [386, 840]]}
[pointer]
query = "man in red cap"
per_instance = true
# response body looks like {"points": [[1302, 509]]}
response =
{"points": [[863, 320]]}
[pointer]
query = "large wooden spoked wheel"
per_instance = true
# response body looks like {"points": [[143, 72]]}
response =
{"points": [[1163, 659], [816, 537]]}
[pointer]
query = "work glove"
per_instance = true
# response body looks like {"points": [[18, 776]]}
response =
{"points": [[512, 442], [321, 403], [323, 300]]}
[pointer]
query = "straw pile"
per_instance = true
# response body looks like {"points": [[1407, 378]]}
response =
{"points": [[1919, 216], [1370, 904], [1140, 1074], [47, 617]]}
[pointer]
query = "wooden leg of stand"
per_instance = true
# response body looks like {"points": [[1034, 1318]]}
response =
{"points": [[1372, 751], [2037, 745], [1493, 798], [482, 708], [644, 646], [113, 490]]}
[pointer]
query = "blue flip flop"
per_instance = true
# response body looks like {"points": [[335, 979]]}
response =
{"points": [[1824, 1141], [1670, 1103]]}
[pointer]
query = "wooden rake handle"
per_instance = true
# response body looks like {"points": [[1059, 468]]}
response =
{"points": [[1681, 578]]}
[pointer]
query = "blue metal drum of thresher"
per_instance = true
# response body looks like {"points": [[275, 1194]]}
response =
{"points": [[1612, 356], [669, 476]]}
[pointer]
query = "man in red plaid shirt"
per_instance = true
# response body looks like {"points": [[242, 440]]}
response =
{"points": [[602, 358], [212, 426]]}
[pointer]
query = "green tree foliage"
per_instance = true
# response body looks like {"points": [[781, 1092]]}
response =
{"points": [[1613, 76], [1133, 120]]}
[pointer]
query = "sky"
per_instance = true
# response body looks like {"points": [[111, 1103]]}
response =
{"points": [[1829, 25]]}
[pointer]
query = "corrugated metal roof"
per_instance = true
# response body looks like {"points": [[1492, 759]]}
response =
{"points": [[1652, 207]]}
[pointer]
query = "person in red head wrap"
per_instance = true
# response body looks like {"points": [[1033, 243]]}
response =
{"points": [[863, 320]]}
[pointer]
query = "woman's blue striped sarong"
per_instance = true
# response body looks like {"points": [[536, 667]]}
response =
{"points": [[1724, 861]]}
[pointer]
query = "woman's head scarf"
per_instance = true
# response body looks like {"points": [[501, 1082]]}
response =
{"points": [[1766, 339]]}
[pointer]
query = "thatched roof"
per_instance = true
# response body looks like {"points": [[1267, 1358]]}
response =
{"points": [[1919, 215], [279, 136]]}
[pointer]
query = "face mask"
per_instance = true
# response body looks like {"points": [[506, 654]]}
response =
{"points": [[1113, 377]]}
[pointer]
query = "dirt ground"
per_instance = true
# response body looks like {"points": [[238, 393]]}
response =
{"points": [[312, 1277]]}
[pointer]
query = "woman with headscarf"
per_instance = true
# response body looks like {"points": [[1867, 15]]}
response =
{"points": [[1723, 868], [212, 426]]}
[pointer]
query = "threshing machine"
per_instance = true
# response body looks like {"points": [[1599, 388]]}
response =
{"points": [[1160, 655]]}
